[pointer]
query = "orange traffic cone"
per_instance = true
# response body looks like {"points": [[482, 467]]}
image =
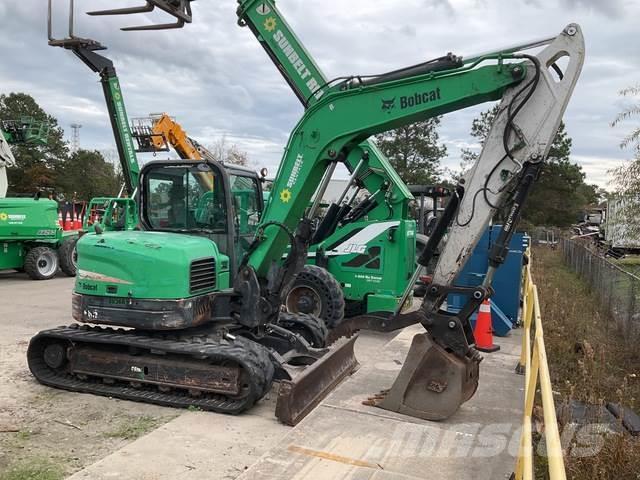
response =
{"points": [[483, 332]]}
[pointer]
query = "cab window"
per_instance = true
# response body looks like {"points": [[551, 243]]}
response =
{"points": [[180, 198], [245, 194]]}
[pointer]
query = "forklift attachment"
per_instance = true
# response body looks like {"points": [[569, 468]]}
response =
{"points": [[310, 384], [432, 384], [148, 141], [180, 9]]}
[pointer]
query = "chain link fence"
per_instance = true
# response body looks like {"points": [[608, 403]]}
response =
{"points": [[545, 236], [618, 290]]}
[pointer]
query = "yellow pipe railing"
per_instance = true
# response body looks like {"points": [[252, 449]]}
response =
{"points": [[533, 363]]}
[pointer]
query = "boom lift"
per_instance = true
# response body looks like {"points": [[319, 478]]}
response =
{"points": [[219, 338], [31, 240]]}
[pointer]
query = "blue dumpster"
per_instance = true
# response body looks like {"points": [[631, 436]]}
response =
{"points": [[505, 303]]}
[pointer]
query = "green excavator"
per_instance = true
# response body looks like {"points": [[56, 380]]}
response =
{"points": [[202, 313]]}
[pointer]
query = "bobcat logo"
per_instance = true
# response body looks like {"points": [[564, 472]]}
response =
{"points": [[388, 105]]}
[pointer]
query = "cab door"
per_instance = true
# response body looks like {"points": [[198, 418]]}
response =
{"points": [[246, 196]]}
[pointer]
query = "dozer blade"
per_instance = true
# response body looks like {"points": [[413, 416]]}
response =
{"points": [[309, 385], [432, 383]]}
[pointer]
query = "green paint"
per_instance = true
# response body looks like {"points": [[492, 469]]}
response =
{"points": [[143, 265], [130, 161], [343, 119]]}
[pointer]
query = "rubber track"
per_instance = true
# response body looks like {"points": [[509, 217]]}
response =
{"points": [[251, 356]]}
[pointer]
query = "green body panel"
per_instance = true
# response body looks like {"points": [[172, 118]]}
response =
{"points": [[23, 219], [11, 255], [143, 265], [26, 223], [344, 118], [382, 303], [372, 260]]}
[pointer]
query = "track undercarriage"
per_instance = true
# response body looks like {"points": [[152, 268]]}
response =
{"points": [[211, 367]]}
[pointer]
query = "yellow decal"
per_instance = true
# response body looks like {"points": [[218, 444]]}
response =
{"points": [[270, 24], [285, 195], [3, 216]]}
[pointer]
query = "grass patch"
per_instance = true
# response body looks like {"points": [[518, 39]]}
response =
{"points": [[34, 469], [629, 260], [23, 435], [134, 427], [589, 361]]}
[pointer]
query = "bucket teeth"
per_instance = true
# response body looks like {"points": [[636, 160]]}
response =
{"points": [[432, 383]]}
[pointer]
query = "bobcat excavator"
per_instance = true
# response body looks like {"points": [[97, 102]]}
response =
{"points": [[215, 337]]}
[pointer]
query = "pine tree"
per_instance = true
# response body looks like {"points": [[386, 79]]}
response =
{"points": [[415, 151]]}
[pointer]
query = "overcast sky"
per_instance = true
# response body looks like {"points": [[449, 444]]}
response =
{"points": [[217, 81]]}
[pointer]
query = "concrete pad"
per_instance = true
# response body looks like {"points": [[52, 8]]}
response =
{"points": [[194, 446], [341, 439], [206, 445], [344, 439]]}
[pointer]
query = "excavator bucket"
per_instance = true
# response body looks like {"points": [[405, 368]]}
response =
{"points": [[179, 9], [310, 384], [432, 383]]}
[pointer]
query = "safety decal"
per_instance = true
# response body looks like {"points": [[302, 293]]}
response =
{"points": [[285, 195], [263, 9], [270, 24]]}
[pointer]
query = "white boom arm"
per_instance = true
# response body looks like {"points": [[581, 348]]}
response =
{"points": [[441, 370], [530, 137], [6, 160]]}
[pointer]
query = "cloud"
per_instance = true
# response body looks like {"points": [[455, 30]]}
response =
{"points": [[216, 79]]}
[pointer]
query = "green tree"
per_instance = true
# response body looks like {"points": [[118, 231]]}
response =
{"points": [[87, 174], [36, 164], [414, 151], [633, 138], [560, 194], [627, 177], [222, 151], [480, 128]]}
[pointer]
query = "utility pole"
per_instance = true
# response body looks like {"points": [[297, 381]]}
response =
{"points": [[75, 139]]}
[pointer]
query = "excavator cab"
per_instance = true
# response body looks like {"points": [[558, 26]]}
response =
{"points": [[187, 197]]}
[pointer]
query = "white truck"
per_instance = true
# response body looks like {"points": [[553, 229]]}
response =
{"points": [[622, 226]]}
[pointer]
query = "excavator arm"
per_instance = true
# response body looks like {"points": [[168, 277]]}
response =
{"points": [[441, 371]]}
